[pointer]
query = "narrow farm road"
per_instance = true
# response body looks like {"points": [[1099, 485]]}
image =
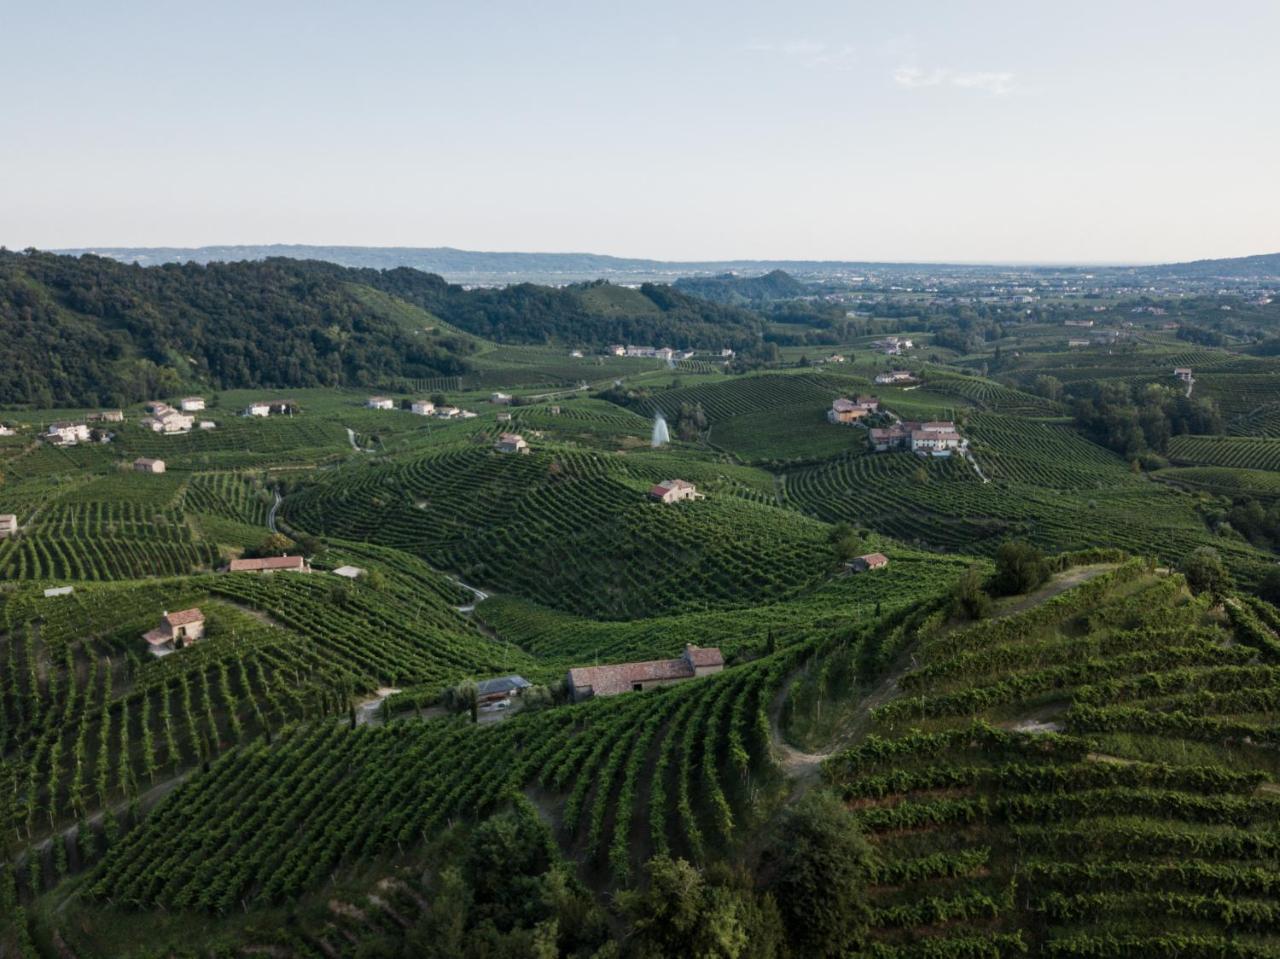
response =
{"points": [[805, 767], [275, 507]]}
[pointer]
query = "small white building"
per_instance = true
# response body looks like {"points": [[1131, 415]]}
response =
{"points": [[67, 433], [165, 419], [258, 409], [5, 430], [349, 572], [423, 407], [208, 425], [1183, 373], [8, 525], [175, 631], [192, 404], [511, 443], [894, 376], [576, 354], [618, 351], [380, 403], [501, 399], [144, 465], [936, 438]]}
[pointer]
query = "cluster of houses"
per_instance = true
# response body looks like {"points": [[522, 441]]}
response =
{"points": [[585, 682], [421, 408], [935, 438], [163, 418], [895, 376], [674, 491], [892, 345], [845, 411], [658, 352], [67, 433]]}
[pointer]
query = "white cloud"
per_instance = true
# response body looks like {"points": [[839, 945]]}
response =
{"points": [[997, 83]]}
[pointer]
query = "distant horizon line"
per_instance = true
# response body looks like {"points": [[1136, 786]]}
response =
{"points": [[726, 262], [175, 248]]}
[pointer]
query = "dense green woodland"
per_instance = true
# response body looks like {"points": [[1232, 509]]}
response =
{"points": [[90, 331], [1046, 728]]}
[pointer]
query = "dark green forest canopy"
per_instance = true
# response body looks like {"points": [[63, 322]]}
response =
{"points": [[87, 331]]}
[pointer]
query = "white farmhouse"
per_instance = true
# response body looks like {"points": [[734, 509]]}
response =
{"points": [[67, 433]]}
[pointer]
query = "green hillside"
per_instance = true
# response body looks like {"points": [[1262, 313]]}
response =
{"points": [[1042, 726]]}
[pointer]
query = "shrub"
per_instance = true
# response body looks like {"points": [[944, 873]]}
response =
{"points": [[818, 867], [1020, 568], [1204, 571], [969, 599]]}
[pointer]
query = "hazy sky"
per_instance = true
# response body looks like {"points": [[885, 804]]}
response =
{"points": [[1124, 130]]}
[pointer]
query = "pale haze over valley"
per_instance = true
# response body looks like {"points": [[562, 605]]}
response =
{"points": [[922, 131]]}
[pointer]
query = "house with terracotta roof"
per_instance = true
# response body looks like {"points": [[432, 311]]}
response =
{"points": [[850, 411], [860, 564], [144, 465], [8, 525], [270, 564], [511, 443], [584, 682], [674, 491], [175, 631]]}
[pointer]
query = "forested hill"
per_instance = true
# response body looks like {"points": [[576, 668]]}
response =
{"points": [[92, 331], [731, 288], [592, 314]]}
